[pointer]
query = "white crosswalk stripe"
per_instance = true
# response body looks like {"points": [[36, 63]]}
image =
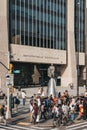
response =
{"points": [[15, 127], [80, 126]]}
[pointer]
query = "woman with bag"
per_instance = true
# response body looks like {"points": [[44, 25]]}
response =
{"points": [[17, 102]]}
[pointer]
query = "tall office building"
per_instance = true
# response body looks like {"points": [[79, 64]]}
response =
{"points": [[35, 34]]}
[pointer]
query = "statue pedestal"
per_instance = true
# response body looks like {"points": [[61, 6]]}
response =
{"points": [[51, 87]]}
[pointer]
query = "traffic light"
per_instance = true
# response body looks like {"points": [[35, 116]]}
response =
{"points": [[11, 68]]}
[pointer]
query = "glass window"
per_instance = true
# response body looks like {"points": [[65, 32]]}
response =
{"points": [[39, 23], [80, 24]]}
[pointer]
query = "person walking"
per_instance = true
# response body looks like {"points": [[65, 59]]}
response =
{"points": [[85, 109], [2, 114], [23, 94], [31, 111], [16, 101], [43, 111], [35, 112], [72, 110]]}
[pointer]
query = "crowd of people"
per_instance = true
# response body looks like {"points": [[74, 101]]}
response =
{"points": [[14, 102], [18, 99], [70, 108], [62, 106]]}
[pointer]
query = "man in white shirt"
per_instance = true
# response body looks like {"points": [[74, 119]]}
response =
{"points": [[23, 94]]}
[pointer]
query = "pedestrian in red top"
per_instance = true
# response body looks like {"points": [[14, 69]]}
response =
{"points": [[55, 100], [35, 112], [81, 110]]}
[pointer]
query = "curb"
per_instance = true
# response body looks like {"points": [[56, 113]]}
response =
{"points": [[44, 125]]}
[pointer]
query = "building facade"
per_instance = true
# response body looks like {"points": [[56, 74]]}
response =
{"points": [[37, 33]]}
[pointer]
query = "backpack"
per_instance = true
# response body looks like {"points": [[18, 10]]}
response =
{"points": [[17, 101]]}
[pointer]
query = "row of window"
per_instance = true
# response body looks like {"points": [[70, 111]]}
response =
{"points": [[39, 42], [49, 19], [42, 27], [80, 25], [37, 21], [45, 4]]}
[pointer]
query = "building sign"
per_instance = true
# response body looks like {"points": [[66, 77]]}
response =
{"points": [[38, 55]]}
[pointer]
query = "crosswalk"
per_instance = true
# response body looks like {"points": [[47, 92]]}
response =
{"points": [[15, 127], [79, 126]]}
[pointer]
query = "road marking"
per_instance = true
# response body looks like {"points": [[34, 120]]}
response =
{"points": [[11, 127], [39, 128], [70, 128], [20, 127], [23, 123], [77, 124], [28, 128], [6, 127], [55, 129]]}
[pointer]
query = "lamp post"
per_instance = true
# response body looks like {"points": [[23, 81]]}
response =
{"points": [[78, 47], [8, 113]]}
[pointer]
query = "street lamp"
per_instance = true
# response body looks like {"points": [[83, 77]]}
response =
{"points": [[8, 113], [78, 47]]}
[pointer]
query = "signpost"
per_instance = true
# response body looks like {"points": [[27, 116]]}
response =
{"points": [[9, 84], [17, 71], [9, 80]]}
